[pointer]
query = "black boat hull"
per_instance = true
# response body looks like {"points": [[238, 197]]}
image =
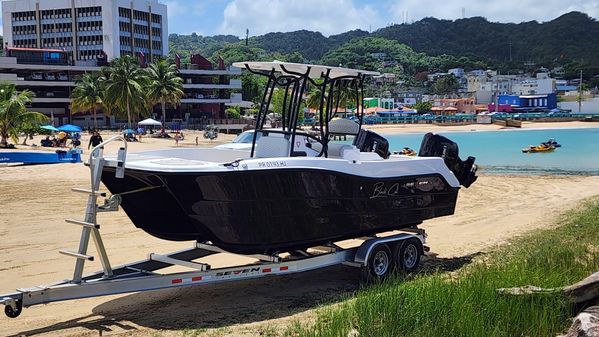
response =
{"points": [[267, 211]]}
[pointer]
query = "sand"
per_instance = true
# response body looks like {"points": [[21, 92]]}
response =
{"points": [[35, 200]]}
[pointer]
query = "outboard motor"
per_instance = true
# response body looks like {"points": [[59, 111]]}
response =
{"points": [[368, 141], [438, 146]]}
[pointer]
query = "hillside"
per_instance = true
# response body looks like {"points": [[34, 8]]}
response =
{"points": [[571, 40]]}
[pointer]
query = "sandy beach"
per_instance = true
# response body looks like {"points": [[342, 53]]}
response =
{"points": [[35, 200]]}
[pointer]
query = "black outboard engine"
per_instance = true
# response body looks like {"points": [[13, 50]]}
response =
{"points": [[438, 146], [368, 141]]}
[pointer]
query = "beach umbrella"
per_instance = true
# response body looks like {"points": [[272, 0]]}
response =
{"points": [[69, 128], [126, 131], [149, 122], [49, 127]]}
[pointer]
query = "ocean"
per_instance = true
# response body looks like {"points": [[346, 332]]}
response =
{"points": [[501, 151]]}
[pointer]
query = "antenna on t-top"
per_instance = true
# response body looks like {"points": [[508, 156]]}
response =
{"points": [[463, 12]]}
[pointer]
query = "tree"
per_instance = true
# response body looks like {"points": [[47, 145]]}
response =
{"points": [[233, 112], [445, 85], [87, 94], [165, 85], [126, 87], [13, 112], [423, 107]]}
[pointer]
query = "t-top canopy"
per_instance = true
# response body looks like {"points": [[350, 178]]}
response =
{"points": [[316, 71]]}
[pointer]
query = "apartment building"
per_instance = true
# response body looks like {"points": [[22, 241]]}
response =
{"points": [[88, 29]]}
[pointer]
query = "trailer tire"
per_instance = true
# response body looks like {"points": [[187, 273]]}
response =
{"points": [[379, 264], [13, 313], [406, 255]]}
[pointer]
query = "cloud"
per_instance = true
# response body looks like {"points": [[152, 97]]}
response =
{"points": [[495, 11], [326, 16]]}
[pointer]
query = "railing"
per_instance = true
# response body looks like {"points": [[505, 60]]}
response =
{"points": [[465, 118]]}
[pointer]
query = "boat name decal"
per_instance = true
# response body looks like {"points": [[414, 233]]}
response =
{"points": [[238, 271], [267, 164], [4, 159], [381, 190]]}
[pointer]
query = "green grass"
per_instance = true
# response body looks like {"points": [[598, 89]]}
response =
{"points": [[466, 303]]}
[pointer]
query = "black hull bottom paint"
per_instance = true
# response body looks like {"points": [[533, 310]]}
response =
{"points": [[276, 210]]}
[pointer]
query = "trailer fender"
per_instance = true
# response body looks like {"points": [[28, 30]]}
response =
{"points": [[363, 252]]}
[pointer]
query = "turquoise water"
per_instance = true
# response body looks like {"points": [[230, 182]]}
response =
{"points": [[501, 151]]}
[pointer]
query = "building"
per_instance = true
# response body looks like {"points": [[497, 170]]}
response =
{"points": [[528, 103], [454, 105], [50, 43], [208, 88], [88, 29]]}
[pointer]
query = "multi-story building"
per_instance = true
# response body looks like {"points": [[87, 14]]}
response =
{"points": [[50, 43], [88, 29]]}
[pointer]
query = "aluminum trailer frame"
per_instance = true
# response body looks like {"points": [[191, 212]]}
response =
{"points": [[143, 275]]}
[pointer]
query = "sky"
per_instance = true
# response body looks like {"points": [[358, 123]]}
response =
{"points": [[212, 17]]}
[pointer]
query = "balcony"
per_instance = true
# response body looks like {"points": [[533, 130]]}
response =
{"points": [[233, 84], [186, 70]]}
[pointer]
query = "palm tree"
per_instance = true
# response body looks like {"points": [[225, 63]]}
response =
{"points": [[13, 112], [126, 86], [165, 85], [87, 95]]}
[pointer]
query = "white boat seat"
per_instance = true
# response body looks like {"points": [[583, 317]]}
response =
{"points": [[270, 147], [336, 150]]}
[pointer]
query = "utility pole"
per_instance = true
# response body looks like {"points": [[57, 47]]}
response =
{"points": [[580, 94]]}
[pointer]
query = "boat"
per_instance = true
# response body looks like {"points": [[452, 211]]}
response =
{"points": [[540, 148], [40, 157], [406, 151], [292, 189]]}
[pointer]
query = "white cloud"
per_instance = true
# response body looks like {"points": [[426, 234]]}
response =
{"points": [[326, 16], [495, 11]]}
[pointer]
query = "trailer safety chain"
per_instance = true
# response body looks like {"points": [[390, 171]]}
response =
{"points": [[143, 189]]}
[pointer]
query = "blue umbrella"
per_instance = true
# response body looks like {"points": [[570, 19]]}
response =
{"points": [[49, 127], [69, 128], [127, 131]]}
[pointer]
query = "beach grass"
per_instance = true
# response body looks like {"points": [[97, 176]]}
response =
{"points": [[466, 303]]}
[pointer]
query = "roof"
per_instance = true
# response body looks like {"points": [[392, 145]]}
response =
{"points": [[316, 71]]}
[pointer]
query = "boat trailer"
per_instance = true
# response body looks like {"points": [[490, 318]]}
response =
{"points": [[378, 257]]}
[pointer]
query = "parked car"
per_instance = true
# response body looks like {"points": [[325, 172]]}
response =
{"points": [[50, 76], [63, 77], [37, 76]]}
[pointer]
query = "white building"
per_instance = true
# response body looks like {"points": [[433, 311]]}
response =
{"points": [[88, 28]]}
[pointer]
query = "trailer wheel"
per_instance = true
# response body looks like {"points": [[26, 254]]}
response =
{"points": [[13, 313], [379, 264], [406, 255]]}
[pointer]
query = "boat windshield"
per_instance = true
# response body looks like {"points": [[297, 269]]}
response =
{"points": [[246, 137]]}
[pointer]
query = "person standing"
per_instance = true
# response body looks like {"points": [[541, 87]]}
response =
{"points": [[95, 140]]}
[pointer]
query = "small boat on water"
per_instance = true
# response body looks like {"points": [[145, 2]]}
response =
{"points": [[40, 157], [540, 148], [406, 151]]}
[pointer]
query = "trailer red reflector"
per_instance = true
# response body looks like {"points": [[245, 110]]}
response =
{"points": [[195, 279], [266, 270], [284, 268], [176, 281]]}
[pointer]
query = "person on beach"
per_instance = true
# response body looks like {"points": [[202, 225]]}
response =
{"points": [[178, 137], [95, 140]]}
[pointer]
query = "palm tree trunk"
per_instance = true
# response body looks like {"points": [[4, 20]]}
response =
{"points": [[163, 112], [128, 114], [95, 119], [4, 139]]}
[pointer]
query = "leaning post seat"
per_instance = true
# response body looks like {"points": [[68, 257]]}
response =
{"points": [[270, 147]]}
